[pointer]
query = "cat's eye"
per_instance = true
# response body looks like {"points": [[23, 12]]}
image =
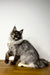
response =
{"points": [[13, 33]]}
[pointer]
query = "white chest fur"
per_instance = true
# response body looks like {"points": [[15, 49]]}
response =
{"points": [[11, 46]]}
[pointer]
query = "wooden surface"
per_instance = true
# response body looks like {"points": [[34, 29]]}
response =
{"points": [[7, 69]]}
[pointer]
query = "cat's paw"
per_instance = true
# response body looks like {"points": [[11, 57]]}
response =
{"points": [[6, 61], [20, 65], [12, 63]]}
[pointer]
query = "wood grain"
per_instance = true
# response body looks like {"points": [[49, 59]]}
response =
{"points": [[7, 69]]}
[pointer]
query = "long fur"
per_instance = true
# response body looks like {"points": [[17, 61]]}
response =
{"points": [[23, 50]]}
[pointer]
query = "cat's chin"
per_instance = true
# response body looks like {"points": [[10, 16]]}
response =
{"points": [[13, 41], [19, 41], [16, 39]]}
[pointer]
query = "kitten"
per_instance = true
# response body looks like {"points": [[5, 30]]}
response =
{"points": [[22, 50]]}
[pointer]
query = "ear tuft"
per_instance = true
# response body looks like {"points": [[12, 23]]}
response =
{"points": [[21, 31], [14, 29]]}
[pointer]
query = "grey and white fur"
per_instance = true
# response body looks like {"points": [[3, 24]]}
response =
{"points": [[23, 50]]}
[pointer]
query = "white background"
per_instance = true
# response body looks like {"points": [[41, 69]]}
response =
{"points": [[32, 16]]}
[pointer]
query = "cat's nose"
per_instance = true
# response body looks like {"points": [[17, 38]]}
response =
{"points": [[18, 36]]}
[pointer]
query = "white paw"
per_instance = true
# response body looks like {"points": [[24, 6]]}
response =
{"points": [[20, 64]]}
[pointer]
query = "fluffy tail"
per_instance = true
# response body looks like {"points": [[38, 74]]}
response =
{"points": [[42, 63]]}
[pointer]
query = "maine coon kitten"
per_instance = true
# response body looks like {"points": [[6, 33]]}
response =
{"points": [[22, 50]]}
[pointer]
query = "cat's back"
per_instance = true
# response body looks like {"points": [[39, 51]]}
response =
{"points": [[25, 48], [25, 44]]}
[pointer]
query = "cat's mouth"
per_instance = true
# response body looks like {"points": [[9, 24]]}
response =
{"points": [[15, 39]]}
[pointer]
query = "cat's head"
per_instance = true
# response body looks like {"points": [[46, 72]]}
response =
{"points": [[15, 34]]}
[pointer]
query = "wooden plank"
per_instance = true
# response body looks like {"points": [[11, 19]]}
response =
{"points": [[7, 69]]}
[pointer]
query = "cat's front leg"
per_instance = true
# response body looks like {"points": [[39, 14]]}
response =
{"points": [[15, 60], [8, 54]]}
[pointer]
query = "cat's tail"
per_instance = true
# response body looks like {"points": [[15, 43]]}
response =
{"points": [[42, 63]]}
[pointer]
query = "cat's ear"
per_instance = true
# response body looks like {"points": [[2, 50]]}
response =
{"points": [[21, 31], [14, 29]]}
